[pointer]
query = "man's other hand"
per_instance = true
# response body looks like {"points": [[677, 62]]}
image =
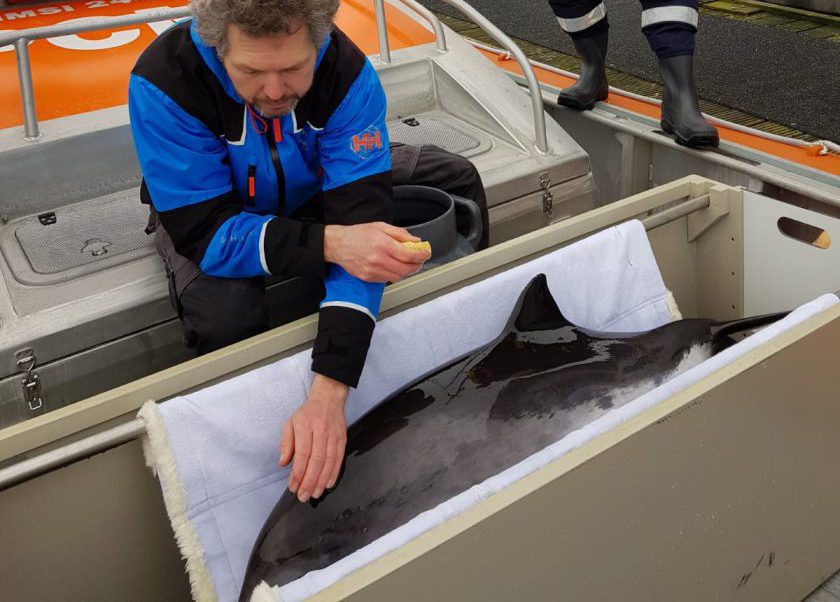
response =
{"points": [[372, 252], [315, 436]]}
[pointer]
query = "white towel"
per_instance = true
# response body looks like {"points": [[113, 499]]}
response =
{"points": [[216, 450]]}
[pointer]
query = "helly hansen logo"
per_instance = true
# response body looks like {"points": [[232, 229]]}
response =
{"points": [[366, 142]]}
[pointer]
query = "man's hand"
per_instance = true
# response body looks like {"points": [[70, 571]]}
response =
{"points": [[315, 436], [372, 252]]}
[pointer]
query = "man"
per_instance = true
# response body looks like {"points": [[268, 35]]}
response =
{"points": [[261, 136], [670, 26]]}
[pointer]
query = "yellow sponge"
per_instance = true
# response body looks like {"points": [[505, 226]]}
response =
{"points": [[423, 245]]}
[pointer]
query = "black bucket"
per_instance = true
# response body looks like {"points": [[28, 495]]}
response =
{"points": [[429, 213]]}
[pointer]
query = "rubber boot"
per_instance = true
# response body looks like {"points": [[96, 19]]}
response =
{"points": [[592, 84], [680, 110]]}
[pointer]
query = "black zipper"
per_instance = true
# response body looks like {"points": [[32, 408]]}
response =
{"points": [[273, 136]]}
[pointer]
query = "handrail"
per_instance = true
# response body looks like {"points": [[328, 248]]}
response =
{"points": [[437, 26], [93, 24], [71, 452], [674, 213], [541, 138], [21, 39], [382, 31], [382, 28]]}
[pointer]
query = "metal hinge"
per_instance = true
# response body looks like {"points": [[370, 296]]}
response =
{"points": [[547, 197], [31, 383]]}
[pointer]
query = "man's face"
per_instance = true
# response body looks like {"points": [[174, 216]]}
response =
{"points": [[271, 73]]}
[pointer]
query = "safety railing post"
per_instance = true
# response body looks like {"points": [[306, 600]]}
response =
{"points": [[21, 39], [429, 16], [27, 91], [382, 32]]}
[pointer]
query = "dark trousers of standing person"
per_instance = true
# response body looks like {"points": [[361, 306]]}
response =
{"points": [[670, 27], [216, 312]]}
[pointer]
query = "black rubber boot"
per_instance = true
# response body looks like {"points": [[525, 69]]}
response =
{"points": [[680, 110], [592, 84]]}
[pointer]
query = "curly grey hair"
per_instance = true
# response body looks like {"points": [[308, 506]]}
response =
{"points": [[258, 18]]}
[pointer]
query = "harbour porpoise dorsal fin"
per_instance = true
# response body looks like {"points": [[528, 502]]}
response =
{"points": [[536, 309]]}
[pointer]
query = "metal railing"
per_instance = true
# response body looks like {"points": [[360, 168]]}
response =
{"points": [[382, 28], [540, 135], [437, 27], [21, 39], [71, 452]]}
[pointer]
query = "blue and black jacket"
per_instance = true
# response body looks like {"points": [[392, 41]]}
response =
{"points": [[228, 184]]}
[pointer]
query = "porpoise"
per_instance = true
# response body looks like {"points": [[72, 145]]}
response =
{"points": [[540, 379]]}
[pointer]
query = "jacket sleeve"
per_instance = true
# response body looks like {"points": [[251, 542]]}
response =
{"points": [[187, 176], [357, 189]]}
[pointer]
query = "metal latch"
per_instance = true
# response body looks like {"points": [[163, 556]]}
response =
{"points": [[547, 197], [47, 219], [31, 382]]}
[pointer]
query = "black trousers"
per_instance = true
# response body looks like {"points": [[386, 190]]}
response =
{"points": [[668, 25], [216, 312]]}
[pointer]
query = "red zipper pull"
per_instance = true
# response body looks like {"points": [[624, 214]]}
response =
{"points": [[278, 134], [252, 184]]}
